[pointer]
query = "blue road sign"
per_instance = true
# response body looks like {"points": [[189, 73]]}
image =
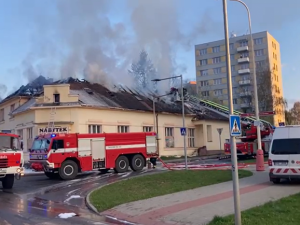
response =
{"points": [[183, 131], [235, 125]]}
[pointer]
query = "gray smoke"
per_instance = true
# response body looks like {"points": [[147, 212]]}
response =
{"points": [[3, 90]]}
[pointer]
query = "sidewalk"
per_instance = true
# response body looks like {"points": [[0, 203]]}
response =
{"points": [[199, 206]]}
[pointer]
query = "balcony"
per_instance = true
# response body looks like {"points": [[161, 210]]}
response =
{"points": [[245, 105], [245, 94], [245, 82], [243, 71], [243, 60], [242, 49]]}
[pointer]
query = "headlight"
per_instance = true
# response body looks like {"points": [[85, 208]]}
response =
{"points": [[18, 170]]}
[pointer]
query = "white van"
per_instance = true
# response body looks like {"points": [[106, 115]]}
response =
{"points": [[284, 154]]}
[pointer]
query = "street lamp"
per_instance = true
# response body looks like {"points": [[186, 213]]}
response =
{"points": [[235, 175], [254, 77], [183, 116]]}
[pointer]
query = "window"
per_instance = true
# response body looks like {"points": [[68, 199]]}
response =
{"points": [[218, 92], [169, 137], [243, 43], [221, 102], [56, 98], [244, 55], [216, 60], [123, 129], [231, 46], [259, 52], [232, 57], [234, 101], [204, 83], [260, 63], [29, 133], [1, 114], [232, 68], [205, 93], [203, 51], [203, 62], [245, 66], [286, 146], [245, 77], [217, 70], [191, 137], [95, 129], [209, 133], [12, 107], [217, 81], [147, 129], [59, 144], [204, 72], [216, 49], [258, 41]]}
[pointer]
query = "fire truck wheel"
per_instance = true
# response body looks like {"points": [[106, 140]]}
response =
{"points": [[122, 164], [68, 170], [8, 181], [137, 163]]}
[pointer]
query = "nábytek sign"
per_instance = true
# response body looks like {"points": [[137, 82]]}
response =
{"points": [[54, 130]]}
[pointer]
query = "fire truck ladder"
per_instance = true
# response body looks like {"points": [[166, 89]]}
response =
{"points": [[52, 118]]}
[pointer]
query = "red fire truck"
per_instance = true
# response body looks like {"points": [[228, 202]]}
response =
{"points": [[247, 146], [11, 160], [68, 154]]}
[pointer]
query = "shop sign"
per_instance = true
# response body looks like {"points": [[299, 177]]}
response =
{"points": [[54, 130]]}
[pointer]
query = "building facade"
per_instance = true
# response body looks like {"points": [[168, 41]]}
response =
{"points": [[211, 73], [80, 107]]}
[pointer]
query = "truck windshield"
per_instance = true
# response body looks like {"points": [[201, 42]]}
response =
{"points": [[7, 142], [40, 144], [286, 146]]}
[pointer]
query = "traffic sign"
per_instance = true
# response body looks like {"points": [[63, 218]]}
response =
{"points": [[183, 131], [235, 125], [220, 130]]}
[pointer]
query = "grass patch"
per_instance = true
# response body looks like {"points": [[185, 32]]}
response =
{"points": [[281, 212], [251, 160], [156, 185]]}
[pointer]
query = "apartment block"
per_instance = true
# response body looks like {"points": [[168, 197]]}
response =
{"points": [[211, 76]]}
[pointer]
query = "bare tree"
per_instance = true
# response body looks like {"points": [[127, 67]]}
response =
{"points": [[143, 71], [295, 113]]}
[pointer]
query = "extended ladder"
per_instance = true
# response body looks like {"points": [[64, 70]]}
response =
{"points": [[52, 119]]}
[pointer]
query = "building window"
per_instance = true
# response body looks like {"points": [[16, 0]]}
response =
{"points": [[12, 107], [203, 62], [259, 52], [244, 55], [123, 129], [191, 137], [29, 133], [95, 129], [234, 101], [204, 72], [216, 60], [204, 83], [205, 93], [258, 41], [56, 98], [232, 68], [245, 66], [243, 43], [169, 136], [216, 49], [1, 114], [217, 81], [209, 133], [217, 70], [203, 51], [147, 129], [260, 63], [232, 57], [231, 46], [218, 92]]}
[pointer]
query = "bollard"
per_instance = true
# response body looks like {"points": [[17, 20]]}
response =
{"points": [[149, 165], [260, 164]]}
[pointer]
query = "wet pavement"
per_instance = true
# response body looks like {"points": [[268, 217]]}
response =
{"points": [[37, 200]]}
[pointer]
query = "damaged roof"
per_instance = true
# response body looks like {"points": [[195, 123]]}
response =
{"points": [[96, 95]]}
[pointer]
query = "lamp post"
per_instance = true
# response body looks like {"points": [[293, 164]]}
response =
{"points": [[235, 175], [254, 76], [183, 115]]}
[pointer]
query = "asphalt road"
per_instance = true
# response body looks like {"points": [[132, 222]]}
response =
{"points": [[37, 200]]}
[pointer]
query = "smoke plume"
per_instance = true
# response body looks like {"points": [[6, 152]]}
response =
{"points": [[3, 90]]}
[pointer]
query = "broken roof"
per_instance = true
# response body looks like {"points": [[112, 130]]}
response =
{"points": [[96, 95]]}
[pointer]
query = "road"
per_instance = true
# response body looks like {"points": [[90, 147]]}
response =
{"points": [[37, 200]]}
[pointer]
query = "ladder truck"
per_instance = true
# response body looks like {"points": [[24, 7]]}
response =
{"points": [[11, 160]]}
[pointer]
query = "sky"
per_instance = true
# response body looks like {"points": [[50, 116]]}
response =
{"points": [[98, 39]]}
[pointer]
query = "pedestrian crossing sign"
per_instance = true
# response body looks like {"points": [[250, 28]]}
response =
{"points": [[235, 125]]}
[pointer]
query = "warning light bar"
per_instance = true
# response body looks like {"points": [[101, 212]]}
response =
{"points": [[53, 135]]}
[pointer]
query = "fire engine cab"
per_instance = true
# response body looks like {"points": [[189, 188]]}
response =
{"points": [[11, 160], [69, 154]]}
